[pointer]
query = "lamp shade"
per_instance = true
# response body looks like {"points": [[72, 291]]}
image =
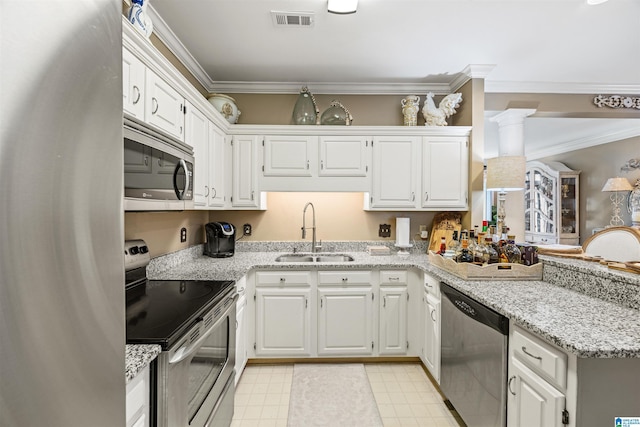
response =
{"points": [[506, 173], [617, 184], [342, 6]]}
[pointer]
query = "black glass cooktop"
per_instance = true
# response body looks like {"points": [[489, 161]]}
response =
{"points": [[161, 311]]}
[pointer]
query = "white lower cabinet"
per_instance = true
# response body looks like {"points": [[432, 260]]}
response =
{"points": [[242, 355], [137, 400], [393, 312], [533, 401], [431, 350], [345, 313], [345, 321], [283, 313]]}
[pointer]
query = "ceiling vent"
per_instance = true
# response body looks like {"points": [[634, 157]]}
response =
{"points": [[292, 19]]}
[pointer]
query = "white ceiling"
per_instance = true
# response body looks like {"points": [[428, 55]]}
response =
{"points": [[415, 46]]}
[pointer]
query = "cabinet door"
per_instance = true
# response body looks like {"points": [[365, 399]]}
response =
{"points": [[393, 320], [244, 176], [241, 338], [345, 322], [343, 156], [164, 106], [289, 155], [137, 400], [217, 167], [394, 172], [431, 349], [197, 136], [445, 167], [132, 85], [283, 321], [532, 402]]}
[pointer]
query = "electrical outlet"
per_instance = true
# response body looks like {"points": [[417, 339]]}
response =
{"points": [[385, 230], [183, 235], [246, 229]]}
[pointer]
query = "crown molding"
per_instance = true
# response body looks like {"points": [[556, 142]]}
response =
{"points": [[333, 88], [173, 43], [561, 88], [580, 143]]}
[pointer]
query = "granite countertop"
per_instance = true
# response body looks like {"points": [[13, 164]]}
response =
{"points": [[137, 356], [582, 324], [588, 310]]}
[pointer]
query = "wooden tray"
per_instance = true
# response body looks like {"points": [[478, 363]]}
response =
{"points": [[444, 224], [500, 271]]}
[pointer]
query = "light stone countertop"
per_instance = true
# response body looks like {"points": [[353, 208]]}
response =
{"points": [[584, 325], [582, 307]]}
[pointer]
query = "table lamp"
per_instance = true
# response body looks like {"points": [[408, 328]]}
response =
{"points": [[505, 174], [615, 186]]}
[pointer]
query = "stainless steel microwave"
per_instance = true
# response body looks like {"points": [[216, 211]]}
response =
{"points": [[158, 171]]}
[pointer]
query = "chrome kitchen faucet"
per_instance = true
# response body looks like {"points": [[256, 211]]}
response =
{"points": [[314, 246]]}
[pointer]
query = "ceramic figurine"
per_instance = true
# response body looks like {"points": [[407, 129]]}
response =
{"points": [[438, 116], [138, 17], [410, 108]]}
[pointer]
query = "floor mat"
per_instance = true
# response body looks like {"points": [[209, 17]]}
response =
{"points": [[332, 395]]}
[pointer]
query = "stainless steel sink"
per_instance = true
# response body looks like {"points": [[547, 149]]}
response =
{"points": [[294, 258], [334, 258], [314, 258]]}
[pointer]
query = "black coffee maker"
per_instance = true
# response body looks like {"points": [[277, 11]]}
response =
{"points": [[221, 239]]}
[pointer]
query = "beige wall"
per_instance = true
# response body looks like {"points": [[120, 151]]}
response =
{"points": [[339, 216], [597, 165], [161, 230]]}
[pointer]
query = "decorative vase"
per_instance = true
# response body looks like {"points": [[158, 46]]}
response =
{"points": [[226, 105], [410, 108], [138, 17], [305, 112], [336, 114]]}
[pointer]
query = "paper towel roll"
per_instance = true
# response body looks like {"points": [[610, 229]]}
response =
{"points": [[402, 231]]}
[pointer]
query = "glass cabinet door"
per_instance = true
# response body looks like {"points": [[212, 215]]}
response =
{"points": [[569, 208], [544, 203]]}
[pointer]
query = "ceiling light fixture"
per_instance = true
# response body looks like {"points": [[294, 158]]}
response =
{"points": [[342, 7], [593, 2]]}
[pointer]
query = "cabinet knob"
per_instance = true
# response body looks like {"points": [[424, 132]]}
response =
{"points": [[213, 196], [433, 315], [509, 385], [426, 196], [344, 279], [206, 194], [524, 350], [282, 280], [154, 105]]}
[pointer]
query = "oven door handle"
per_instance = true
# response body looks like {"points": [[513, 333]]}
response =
{"points": [[186, 351]]}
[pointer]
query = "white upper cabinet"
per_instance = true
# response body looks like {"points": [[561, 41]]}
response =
{"points": [[315, 163], [344, 156], [164, 106], [245, 158], [133, 71], [197, 136], [219, 171], [290, 156], [395, 172], [445, 168]]}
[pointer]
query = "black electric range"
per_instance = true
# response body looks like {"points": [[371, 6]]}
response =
{"points": [[161, 311]]}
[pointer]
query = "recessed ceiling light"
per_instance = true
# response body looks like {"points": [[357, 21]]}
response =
{"points": [[592, 2]]}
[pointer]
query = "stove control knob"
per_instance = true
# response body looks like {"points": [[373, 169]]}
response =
{"points": [[144, 249], [133, 250]]}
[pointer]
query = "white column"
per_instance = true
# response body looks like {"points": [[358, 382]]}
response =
{"points": [[511, 143]]}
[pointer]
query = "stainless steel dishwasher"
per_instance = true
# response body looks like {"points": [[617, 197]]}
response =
{"points": [[473, 373]]}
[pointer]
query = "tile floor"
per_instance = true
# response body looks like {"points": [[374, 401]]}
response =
{"points": [[403, 392]]}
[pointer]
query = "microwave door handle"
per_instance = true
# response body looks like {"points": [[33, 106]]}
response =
{"points": [[181, 165]]}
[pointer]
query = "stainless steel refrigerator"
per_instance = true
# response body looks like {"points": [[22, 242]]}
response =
{"points": [[62, 305]]}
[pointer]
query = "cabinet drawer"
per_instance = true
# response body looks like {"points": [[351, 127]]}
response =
{"points": [[137, 398], [344, 277], [541, 357], [393, 277], [432, 285], [283, 278]]}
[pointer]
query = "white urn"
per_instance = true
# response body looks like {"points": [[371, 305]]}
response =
{"points": [[226, 105]]}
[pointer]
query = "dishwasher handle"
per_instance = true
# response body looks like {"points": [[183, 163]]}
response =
{"points": [[475, 310]]}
